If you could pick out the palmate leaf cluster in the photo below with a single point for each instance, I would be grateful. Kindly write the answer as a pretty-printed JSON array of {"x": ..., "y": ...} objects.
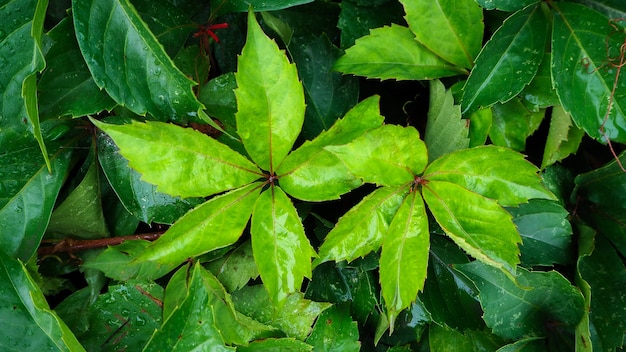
[{"x": 304, "y": 219}]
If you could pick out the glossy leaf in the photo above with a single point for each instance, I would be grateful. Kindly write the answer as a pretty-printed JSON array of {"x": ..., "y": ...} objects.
[
  {"x": 546, "y": 232},
  {"x": 281, "y": 250},
  {"x": 185, "y": 162},
  {"x": 443, "y": 338},
  {"x": 29, "y": 323},
  {"x": 389, "y": 155},
  {"x": 313, "y": 173},
  {"x": 235, "y": 269},
  {"x": 515, "y": 310},
  {"x": 404, "y": 257},
  {"x": 513, "y": 123},
  {"x": 223, "y": 7},
  {"x": 215, "y": 224},
  {"x": 451, "y": 29},
  {"x": 28, "y": 192},
  {"x": 601, "y": 185},
  {"x": 335, "y": 331},
  {"x": 127, "y": 60},
  {"x": 270, "y": 99},
  {"x": 564, "y": 138},
  {"x": 274, "y": 344},
  {"x": 476, "y": 170},
  {"x": 356, "y": 18},
  {"x": 528, "y": 344},
  {"x": 477, "y": 224},
  {"x": 611, "y": 8},
  {"x": 393, "y": 52},
  {"x": 540, "y": 92},
  {"x": 505, "y": 5},
  {"x": 445, "y": 130},
  {"x": 362, "y": 229},
  {"x": 480, "y": 124},
  {"x": 583, "y": 79},
  {"x": 168, "y": 23},
  {"x": 508, "y": 61}
]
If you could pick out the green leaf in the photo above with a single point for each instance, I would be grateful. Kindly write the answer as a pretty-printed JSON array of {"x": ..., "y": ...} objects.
[
  {"x": 124, "y": 317},
  {"x": 526, "y": 344},
  {"x": 66, "y": 86},
  {"x": 127, "y": 60},
  {"x": 361, "y": 230},
  {"x": 611, "y": 222},
  {"x": 477, "y": 224},
  {"x": 564, "y": 137},
  {"x": 546, "y": 232},
  {"x": 583, "y": 79},
  {"x": 611, "y": 8},
  {"x": 480, "y": 124},
  {"x": 227, "y": 6},
  {"x": 358, "y": 17},
  {"x": 29, "y": 323},
  {"x": 452, "y": 30},
  {"x": 270, "y": 99},
  {"x": 443, "y": 338},
  {"x": 494, "y": 172},
  {"x": 28, "y": 193},
  {"x": 295, "y": 318},
  {"x": 314, "y": 174},
  {"x": 215, "y": 224},
  {"x": 390, "y": 155},
  {"x": 335, "y": 331},
  {"x": 602, "y": 186},
  {"x": 183, "y": 162},
  {"x": 540, "y": 93},
  {"x": 235, "y": 269},
  {"x": 168, "y": 23},
  {"x": 273, "y": 344},
  {"x": 281, "y": 249},
  {"x": 523, "y": 309},
  {"x": 404, "y": 257},
  {"x": 505, "y": 5},
  {"x": 393, "y": 52},
  {"x": 513, "y": 123},
  {"x": 445, "y": 130},
  {"x": 508, "y": 61}
]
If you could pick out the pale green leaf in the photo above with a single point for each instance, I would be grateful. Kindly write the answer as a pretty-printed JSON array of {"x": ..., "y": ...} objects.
[
  {"x": 215, "y": 224},
  {"x": 477, "y": 224},
  {"x": 564, "y": 137},
  {"x": 180, "y": 161},
  {"x": 393, "y": 53},
  {"x": 281, "y": 249},
  {"x": 451, "y": 29},
  {"x": 314, "y": 174},
  {"x": 390, "y": 155},
  {"x": 361, "y": 230},
  {"x": 513, "y": 123},
  {"x": 404, "y": 257},
  {"x": 28, "y": 322},
  {"x": 270, "y": 99},
  {"x": 127, "y": 60},
  {"x": 494, "y": 172},
  {"x": 445, "y": 130}
]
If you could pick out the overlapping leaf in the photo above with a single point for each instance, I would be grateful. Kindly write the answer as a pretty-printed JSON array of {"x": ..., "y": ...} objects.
[
  {"x": 235, "y": 269},
  {"x": 600, "y": 186},
  {"x": 270, "y": 99},
  {"x": 508, "y": 62},
  {"x": 564, "y": 137},
  {"x": 226, "y": 6},
  {"x": 505, "y": 5},
  {"x": 513, "y": 123},
  {"x": 183, "y": 162},
  {"x": 451, "y": 29},
  {"x": 335, "y": 331}
]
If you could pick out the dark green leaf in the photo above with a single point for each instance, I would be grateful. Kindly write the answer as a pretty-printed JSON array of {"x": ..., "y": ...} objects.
[
  {"x": 540, "y": 92},
  {"x": 226, "y": 6},
  {"x": 393, "y": 52},
  {"x": 29, "y": 324},
  {"x": 515, "y": 310},
  {"x": 270, "y": 99},
  {"x": 443, "y": 338},
  {"x": 508, "y": 61},
  {"x": 168, "y": 24},
  {"x": 605, "y": 185},
  {"x": 513, "y": 123},
  {"x": 564, "y": 137},
  {"x": 452, "y": 30},
  {"x": 610, "y": 8},
  {"x": 358, "y": 17},
  {"x": 127, "y": 60},
  {"x": 584, "y": 80},
  {"x": 505, "y": 5},
  {"x": 215, "y": 224},
  {"x": 313, "y": 173},
  {"x": 361, "y": 230},
  {"x": 281, "y": 250},
  {"x": 335, "y": 331},
  {"x": 611, "y": 222},
  {"x": 183, "y": 162},
  {"x": 235, "y": 269},
  {"x": 527, "y": 344},
  {"x": 274, "y": 345}
]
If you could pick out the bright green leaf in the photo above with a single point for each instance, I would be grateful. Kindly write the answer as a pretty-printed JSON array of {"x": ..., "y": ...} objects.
[
  {"x": 508, "y": 61},
  {"x": 516, "y": 310},
  {"x": 235, "y": 269},
  {"x": 513, "y": 123},
  {"x": 182, "y": 161},
  {"x": 404, "y": 256},
  {"x": 29, "y": 324},
  {"x": 127, "y": 60},
  {"x": 451, "y": 29},
  {"x": 564, "y": 137},
  {"x": 477, "y": 224},
  {"x": 361, "y": 230},
  {"x": 270, "y": 99},
  {"x": 276, "y": 344},
  {"x": 445, "y": 130},
  {"x": 583, "y": 79},
  {"x": 390, "y": 155},
  {"x": 393, "y": 52},
  {"x": 335, "y": 331},
  {"x": 313, "y": 173},
  {"x": 494, "y": 172},
  {"x": 215, "y": 224},
  {"x": 281, "y": 250},
  {"x": 480, "y": 124}
]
